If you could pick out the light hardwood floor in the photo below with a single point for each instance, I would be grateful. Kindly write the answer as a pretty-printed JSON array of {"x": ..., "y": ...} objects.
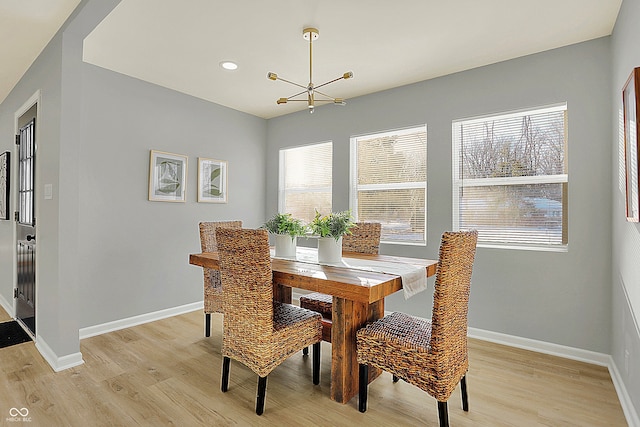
[{"x": 167, "y": 373}]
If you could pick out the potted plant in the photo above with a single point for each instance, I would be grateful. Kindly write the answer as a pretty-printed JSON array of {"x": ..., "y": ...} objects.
[
  {"x": 330, "y": 229},
  {"x": 285, "y": 228}
]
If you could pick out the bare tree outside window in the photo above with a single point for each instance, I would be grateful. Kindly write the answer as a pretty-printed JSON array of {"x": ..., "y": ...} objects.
[{"x": 510, "y": 177}]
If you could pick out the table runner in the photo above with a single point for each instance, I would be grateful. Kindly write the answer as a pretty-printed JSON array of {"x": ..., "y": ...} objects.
[{"x": 414, "y": 279}]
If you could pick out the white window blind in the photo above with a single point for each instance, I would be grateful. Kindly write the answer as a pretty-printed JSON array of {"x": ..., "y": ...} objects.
[
  {"x": 510, "y": 178},
  {"x": 389, "y": 183},
  {"x": 305, "y": 180}
]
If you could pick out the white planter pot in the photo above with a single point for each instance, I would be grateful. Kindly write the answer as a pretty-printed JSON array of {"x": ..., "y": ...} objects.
[
  {"x": 285, "y": 246},
  {"x": 329, "y": 250}
]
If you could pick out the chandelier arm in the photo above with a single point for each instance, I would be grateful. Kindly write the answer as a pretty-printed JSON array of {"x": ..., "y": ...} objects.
[
  {"x": 330, "y": 81},
  {"x": 297, "y": 94},
  {"x": 324, "y": 94},
  {"x": 292, "y": 83}
]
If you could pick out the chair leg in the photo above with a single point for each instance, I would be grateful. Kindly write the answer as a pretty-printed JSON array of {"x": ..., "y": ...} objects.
[
  {"x": 363, "y": 384},
  {"x": 262, "y": 393},
  {"x": 465, "y": 398},
  {"x": 443, "y": 414},
  {"x": 225, "y": 374},
  {"x": 207, "y": 324},
  {"x": 305, "y": 351},
  {"x": 316, "y": 363}
]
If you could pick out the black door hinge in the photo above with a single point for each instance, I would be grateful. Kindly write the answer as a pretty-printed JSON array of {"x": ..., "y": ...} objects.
[
  {"x": 16, "y": 215},
  {"x": 15, "y": 292},
  {"x": 17, "y": 139}
]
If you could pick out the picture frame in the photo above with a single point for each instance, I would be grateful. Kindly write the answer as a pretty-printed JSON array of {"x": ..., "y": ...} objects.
[
  {"x": 631, "y": 107},
  {"x": 5, "y": 181},
  {"x": 212, "y": 180},
  {"x": 167, "y": 176}
]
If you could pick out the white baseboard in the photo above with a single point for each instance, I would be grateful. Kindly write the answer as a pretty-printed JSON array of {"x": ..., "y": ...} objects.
[
  {"x": 629, "y": 410},
  {"x": 57, "y": 363},
  {"x": 6, "y": 305},
  {"x": 587, "y": 356},
  {"x": 116, "y": 325}
]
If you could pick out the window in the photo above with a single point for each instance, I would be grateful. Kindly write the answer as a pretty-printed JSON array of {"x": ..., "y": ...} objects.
[
  {"x": 510, "y": 178},
  {"x": 305, "y": 180},
  {"x": 389, "y": 183}
]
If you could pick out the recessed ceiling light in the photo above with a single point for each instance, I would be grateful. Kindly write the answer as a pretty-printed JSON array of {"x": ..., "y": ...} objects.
[{"x": 229, "y": 65}]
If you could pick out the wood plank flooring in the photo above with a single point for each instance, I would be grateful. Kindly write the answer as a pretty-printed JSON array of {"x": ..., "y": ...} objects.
[{"x": 167, "y": 373}]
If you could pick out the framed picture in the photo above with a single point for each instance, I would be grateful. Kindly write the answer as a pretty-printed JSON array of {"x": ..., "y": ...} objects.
[
  {"x": 4, "y": 184},
  {"x": 212, "y": 180},
  {"x": 631, "y": 109},
  {"x": 167, "y": 177}
]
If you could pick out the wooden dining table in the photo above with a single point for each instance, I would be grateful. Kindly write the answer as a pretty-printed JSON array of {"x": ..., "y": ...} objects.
[{"x": 358, "y": 298}]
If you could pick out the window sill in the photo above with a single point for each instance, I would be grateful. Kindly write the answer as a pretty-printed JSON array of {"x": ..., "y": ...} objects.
[{"x": 563, "y": 248}]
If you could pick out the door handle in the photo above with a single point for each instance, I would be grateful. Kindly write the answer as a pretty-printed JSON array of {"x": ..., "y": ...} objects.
[{"x": 30, "y": 237}]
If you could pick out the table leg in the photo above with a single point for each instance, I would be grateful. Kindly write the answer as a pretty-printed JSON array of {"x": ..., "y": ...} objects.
[
  {"x": 348, "y": 317},
  {"x": 281, "y": 293}
]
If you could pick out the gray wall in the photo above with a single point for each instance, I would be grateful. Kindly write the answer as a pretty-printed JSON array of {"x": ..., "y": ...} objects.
[
  {"x": 137, "y": 250},
  {"x": 562, "y": 298},
  {"x": 626, "y": 235},
  {"x": 52, "y": 74},
  {"x": 105, "y": 252}
]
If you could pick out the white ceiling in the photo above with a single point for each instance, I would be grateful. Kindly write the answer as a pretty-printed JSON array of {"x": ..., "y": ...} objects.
[
  {"x": 179, "y": 44},
  {"x": 25, "y": 29}
]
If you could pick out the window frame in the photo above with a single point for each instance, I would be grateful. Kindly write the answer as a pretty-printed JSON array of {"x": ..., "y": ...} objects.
[
  {"x": 354, "y": 187},
  {"x": 459, "y": 183},
  {"x": 282, "y": 192}
]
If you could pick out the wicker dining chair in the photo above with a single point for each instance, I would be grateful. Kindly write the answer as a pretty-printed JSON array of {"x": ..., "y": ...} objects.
[
  {"x": 257, "y": 331},
  {"x": 212, "y": 286},
  {"x": 364, "y": 239},
  {"x": 430, "y": 354}
]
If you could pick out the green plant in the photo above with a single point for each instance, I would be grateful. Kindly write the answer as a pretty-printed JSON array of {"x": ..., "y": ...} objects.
[
  {"x": 333, "y": 225},
  {"x": 285, "y": 223}
]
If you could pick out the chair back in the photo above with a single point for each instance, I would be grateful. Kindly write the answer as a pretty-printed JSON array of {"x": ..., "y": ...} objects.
[
  {"x": 451, "y": 304},
  {"x": 212, "y": 286},
  {"x": 247, "y": 292},
  {"x": 208, "y": 233},
  {"x": 364, "y": 238}
]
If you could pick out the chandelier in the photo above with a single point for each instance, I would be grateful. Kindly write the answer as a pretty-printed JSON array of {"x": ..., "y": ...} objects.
[{"x": 311, "y": 91}]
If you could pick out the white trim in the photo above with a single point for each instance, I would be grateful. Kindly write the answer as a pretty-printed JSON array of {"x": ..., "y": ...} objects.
[
  {"x": 58, "y": 363},
  {"x": 625, "y": 400},
  {"x": 116, "y": 325},
  {"x": 513, "y": 113},
  {"x": 573, "y": 353},
  {"x": 513, "y": 180},
  {"x": 35, "y": 99},
  {"x": 393, "y": 186},
  {"x": 8, "y": 307},
  {"x": 408, "y": 130},
  {"x": 634, "y": 319},
  {"x": 512, "y": 246}
]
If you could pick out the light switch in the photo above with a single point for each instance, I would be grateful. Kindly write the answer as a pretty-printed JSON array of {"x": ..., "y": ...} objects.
[{"x": 48, "y": 191}]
